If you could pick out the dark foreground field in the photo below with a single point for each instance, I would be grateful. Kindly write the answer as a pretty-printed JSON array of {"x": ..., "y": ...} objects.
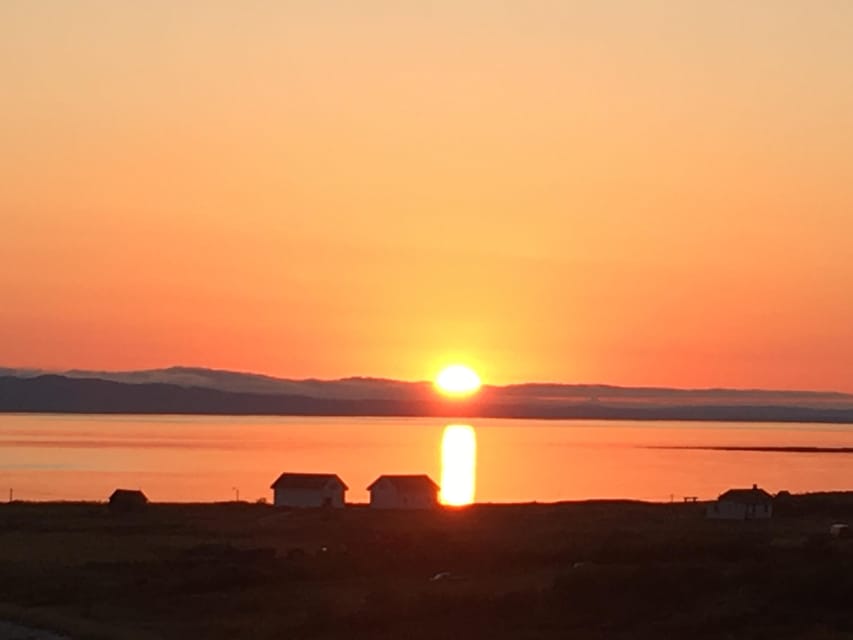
[{"x": 583, "y": 570}]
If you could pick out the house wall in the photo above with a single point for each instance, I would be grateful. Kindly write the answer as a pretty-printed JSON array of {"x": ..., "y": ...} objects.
[
  {"x": 728, "y": 510},
  {"x": 386, "y": 496},
  {"x": 127, "y": 504},
  {"x": 307, "y": 498}
]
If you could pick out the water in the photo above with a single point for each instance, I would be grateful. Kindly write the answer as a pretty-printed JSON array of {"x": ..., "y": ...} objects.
[{"x": 204, "y": 458}]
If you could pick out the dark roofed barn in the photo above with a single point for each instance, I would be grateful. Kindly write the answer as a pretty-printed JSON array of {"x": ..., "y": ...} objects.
[
  {"x": 742, "y": 504},
  {"x": 127, "y": 501},
  {"x": 309, "y": 490}
]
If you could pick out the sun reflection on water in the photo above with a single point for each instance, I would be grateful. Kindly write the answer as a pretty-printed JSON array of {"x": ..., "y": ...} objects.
[{"x": 458, "y": 464}]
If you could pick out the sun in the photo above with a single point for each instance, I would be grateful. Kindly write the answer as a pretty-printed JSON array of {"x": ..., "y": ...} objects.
[{"x": 457, "y": 380}]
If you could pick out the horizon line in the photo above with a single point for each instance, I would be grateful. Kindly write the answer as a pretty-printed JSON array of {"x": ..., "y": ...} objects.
[{"x": 604, "y": 385}]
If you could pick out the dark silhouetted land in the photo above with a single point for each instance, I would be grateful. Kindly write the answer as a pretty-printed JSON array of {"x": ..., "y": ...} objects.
[
  {"x": 182, "y": 390},
  {"x": 580, "y": 570}
]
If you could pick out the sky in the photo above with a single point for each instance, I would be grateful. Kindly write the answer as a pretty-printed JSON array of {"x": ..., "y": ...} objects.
[{"x": 637, "y": 193}]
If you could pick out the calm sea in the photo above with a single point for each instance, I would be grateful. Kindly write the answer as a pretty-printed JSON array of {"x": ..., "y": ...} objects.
[{"x": 203, "y": 458}]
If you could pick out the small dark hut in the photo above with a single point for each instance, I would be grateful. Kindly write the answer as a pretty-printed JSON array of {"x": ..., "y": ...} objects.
[{"x": 128, "y": 501}]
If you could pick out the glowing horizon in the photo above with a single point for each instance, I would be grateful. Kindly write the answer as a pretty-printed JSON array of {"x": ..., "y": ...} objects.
[{"x": 637, "y": 194}]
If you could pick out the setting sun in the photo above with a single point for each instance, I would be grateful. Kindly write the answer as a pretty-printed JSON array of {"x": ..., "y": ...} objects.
[{"x": 457, "y": 380}]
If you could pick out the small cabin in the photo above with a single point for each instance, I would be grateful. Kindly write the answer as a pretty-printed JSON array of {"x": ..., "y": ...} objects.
[
  {"x": 742, "y": 504},
  {"x": 127, "y": 501},
  {"x": 309, "y": 490},
  {"x": 403, "y": 492}
]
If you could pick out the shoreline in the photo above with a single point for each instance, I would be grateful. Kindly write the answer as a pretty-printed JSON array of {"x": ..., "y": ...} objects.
[
  {"x": 663, "y": 415},
  {"x": 844, "y": 494},
  {"x": 61, "y": 394}
]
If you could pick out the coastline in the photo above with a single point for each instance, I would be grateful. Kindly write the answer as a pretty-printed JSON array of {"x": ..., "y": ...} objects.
[
  {"x": 733, "y": 414},
  {"x": 391, "y": 399}
]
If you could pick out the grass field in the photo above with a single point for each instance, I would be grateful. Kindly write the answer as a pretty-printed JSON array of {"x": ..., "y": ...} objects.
[{"x": 585, "y": 570}]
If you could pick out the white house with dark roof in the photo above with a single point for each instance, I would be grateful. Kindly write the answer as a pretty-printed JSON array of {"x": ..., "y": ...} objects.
[
  {"x": 306, "y": 490},
  {"x": 742, "y": 504},
  {"x": 403, "y": 492}
]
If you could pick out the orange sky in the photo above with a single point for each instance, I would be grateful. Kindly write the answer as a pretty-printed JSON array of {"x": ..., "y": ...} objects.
[{"x": 624, "y": 192}]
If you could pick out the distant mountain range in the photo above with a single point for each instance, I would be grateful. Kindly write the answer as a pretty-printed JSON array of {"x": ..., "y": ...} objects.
[{"x": 185, "y": 390}]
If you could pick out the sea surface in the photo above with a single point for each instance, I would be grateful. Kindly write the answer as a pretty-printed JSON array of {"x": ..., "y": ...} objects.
[{"x": 204, "y": 458}]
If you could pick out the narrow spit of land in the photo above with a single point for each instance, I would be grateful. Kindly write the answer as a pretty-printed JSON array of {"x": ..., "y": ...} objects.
[
  {"x": 759, "y": 449},
  {"x": 585, "y": 570}
]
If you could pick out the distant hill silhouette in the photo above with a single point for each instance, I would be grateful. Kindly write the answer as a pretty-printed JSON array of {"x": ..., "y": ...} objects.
[{"x": 183, "y": 390}]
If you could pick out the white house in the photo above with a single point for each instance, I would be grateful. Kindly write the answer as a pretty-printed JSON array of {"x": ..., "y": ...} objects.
[
  {"x": 403, "y": 492},
  {"x": 308, "y": 490},
  {"x": 742, "y": 504}
]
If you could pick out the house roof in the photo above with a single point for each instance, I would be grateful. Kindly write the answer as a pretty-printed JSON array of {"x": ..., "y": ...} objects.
[
  {"x": 306, "y": 481},
  {"x": 747, "y": 496},
  {"x": 420, "y": 482},
  {"x": 128, "y": 494}
]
